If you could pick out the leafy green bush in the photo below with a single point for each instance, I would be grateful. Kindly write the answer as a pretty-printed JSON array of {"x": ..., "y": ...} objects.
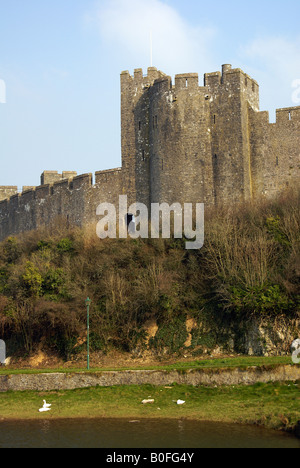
[
  {"x": 275, "y": 229},
  {"x": 12, "y": 250},
  {"x": 32, "y": 280},
  {"x": 171, "y": 336},
  {"x": 265, "y": 299},
  {"x": 54, "y": 284},
  {"x": 65, "y": 245},
  {"x": 249, "y": 266}
]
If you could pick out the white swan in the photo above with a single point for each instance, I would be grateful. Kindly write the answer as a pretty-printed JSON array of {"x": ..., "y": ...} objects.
[
  {"x": 42, "y": 410},
  {"x": 180, "y": 402},
  {"x": 46, "y": 407}
]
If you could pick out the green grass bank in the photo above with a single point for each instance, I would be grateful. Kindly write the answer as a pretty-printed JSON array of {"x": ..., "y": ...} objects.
[
  {"x": 272, "y": 405},
  {"x": 241, "y": 362}
]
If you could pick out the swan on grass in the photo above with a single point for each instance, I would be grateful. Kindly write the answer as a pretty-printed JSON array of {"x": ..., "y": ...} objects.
[
  {"x": 46, "y": 407},
  {"x": 42, "y": 410}
]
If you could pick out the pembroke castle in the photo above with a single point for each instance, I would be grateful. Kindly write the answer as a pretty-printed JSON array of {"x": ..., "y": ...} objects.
[{"x": 181, "y": 142}]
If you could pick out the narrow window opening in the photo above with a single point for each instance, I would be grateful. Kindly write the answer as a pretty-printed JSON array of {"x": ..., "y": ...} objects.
[
  {"x": 129, "y": 218},
  {"x": 214, "y": 119},
  {"x": 186, "y": 83},
  {"x": 290, "y": 115},
  {"x": 130, "y": 223},
  {"x": 143, "y": 155}
]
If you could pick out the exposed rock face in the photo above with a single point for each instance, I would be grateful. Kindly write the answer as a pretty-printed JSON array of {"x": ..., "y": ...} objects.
[
  {"x": 255, "y": 337},
  {"x": 263, "y": 338}
]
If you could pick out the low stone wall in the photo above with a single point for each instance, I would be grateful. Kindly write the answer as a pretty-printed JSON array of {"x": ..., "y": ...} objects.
[{"x": 67, "y": 381}]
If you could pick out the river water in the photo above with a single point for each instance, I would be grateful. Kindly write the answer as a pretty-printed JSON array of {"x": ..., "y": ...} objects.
[{"x": 115, "y": 433}]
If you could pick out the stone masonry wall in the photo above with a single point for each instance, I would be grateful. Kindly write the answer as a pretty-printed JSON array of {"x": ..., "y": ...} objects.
[
  {"x": 7, "y": 192},
  {"x": 207, "y": 377},
  {"x": 275, "y": 150},
  {"x": 181, "y": 143}
]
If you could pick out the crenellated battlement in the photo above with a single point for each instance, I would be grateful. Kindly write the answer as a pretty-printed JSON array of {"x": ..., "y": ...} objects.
[
  {"x": 65, "y": 197},
  {"x": 234, "y": 77},
  {"x": 139, "y": 78},
  {"x": 154, "y": 77},
  {"x": 7, "y": 192},
  {"x": 50, "y": 177},
  {"x": 227, "y": 82},
  {"x": 188, "y": 81},
  {"x": 284, "y": 116},
  {"x": 288, "y": 114},
  {"x": 48, "y": 189},
  {"x": 181, "y": 142}
]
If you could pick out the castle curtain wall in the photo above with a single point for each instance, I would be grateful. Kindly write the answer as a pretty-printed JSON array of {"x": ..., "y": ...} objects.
[{"x": 181, "y": 142}]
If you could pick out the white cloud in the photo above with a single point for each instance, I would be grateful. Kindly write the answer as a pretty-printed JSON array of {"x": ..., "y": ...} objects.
[
  {"x": 275, "y": 62},
  {"x": 181, "y": 46},
  {"x": 178, "y": 46}
]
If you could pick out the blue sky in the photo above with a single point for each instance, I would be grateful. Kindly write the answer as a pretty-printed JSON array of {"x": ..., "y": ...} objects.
[{"x": 61, "y": 60}]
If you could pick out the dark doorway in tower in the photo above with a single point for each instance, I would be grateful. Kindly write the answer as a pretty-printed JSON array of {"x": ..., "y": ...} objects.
[{"x": 130, "y": 223}]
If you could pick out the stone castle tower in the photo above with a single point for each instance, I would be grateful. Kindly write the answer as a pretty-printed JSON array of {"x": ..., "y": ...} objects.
[
  {"x": 181, "y": 143},
  {"x": 191, "y": 143}
]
